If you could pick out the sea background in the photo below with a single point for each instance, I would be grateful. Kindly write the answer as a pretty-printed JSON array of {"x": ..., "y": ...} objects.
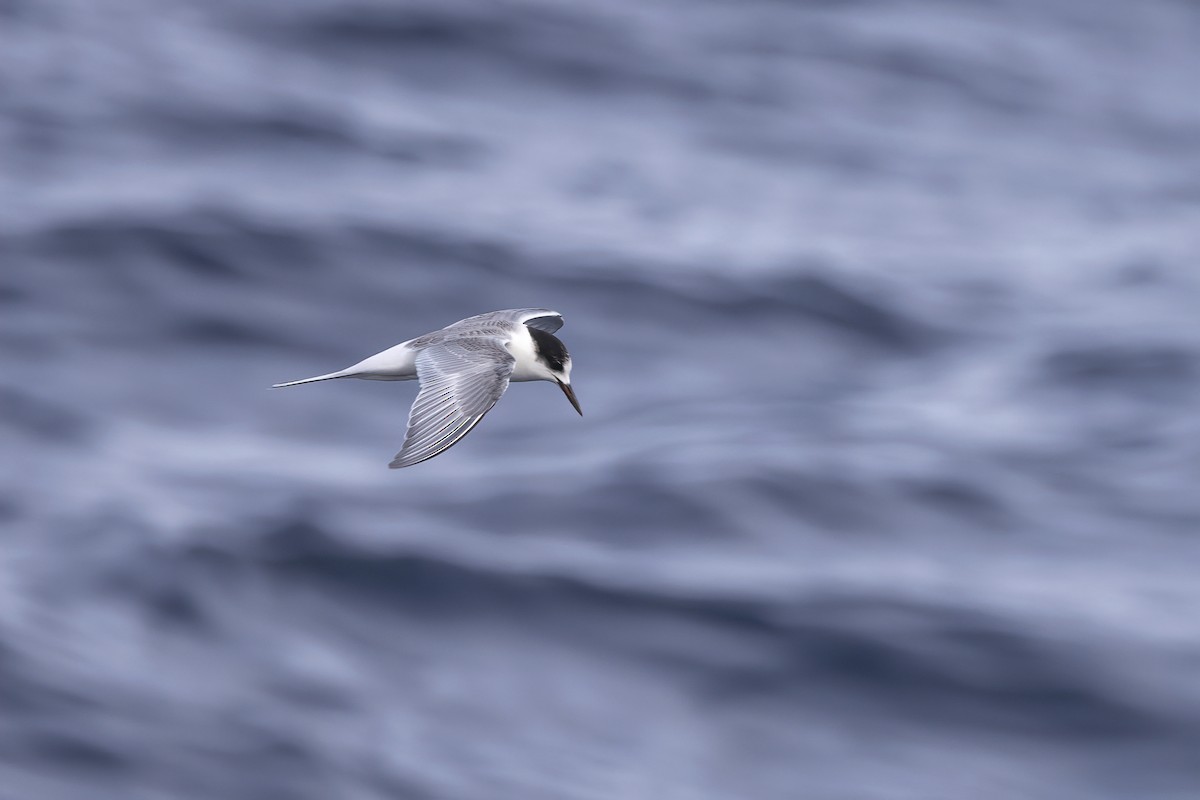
[{"x": 885, "y": 319}]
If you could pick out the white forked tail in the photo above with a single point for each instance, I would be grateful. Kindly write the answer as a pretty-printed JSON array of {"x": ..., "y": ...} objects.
[
  {"x": 394, "y": 364},
  {"x": 339, "y": 374}
]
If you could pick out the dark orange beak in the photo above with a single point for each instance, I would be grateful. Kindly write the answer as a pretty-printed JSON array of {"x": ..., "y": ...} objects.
[{"x": 570, "y": 393}]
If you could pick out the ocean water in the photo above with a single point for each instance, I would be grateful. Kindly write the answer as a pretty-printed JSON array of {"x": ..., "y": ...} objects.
[{"x": 885, "y": 319}]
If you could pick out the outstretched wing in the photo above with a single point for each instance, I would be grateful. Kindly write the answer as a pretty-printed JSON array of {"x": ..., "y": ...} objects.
[
  {"x": 461, "y": 379},
  {"x": 541, "y": 318},
  {"x": 498, "y": 323}
]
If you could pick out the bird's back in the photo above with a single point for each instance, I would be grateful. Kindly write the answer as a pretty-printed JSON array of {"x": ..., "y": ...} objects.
[{"x": 500, "y": 325}]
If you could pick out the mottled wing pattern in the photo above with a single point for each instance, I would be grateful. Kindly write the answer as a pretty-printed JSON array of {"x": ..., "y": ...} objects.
[{"x": 461, "y": 377}]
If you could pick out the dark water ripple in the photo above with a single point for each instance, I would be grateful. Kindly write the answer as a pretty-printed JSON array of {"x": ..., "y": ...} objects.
[{"x": 884, "y": 322}]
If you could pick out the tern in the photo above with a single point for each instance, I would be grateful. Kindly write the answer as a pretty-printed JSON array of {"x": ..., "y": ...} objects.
[{"x": 463, "y": 369}]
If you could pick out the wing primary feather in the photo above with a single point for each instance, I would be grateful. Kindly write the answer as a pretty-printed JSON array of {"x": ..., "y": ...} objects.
[
  {"x": 461, "y": 379},
  {"x": 543, "y": 320}
]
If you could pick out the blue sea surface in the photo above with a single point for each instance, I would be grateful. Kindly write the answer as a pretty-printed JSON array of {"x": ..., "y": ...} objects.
[{"x": 885, "y": 319}]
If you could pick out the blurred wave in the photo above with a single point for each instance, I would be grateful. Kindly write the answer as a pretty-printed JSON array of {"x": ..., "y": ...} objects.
[{"x": 884, "y": 326}]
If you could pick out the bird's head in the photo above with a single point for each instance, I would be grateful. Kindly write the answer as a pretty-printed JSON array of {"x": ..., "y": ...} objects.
[{"x": 555, "y": 361}]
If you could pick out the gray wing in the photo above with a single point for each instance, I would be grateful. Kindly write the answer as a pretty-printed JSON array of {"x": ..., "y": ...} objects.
[
  {"x": 541, "y": 318},
  {"x": 493, "y": 325},
  {"x": 461, "y": 379},
  {"x": 499, "y": 322}
]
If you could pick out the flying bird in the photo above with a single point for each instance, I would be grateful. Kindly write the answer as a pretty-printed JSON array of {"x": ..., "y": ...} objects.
[{"x": 463, "y": 369}]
